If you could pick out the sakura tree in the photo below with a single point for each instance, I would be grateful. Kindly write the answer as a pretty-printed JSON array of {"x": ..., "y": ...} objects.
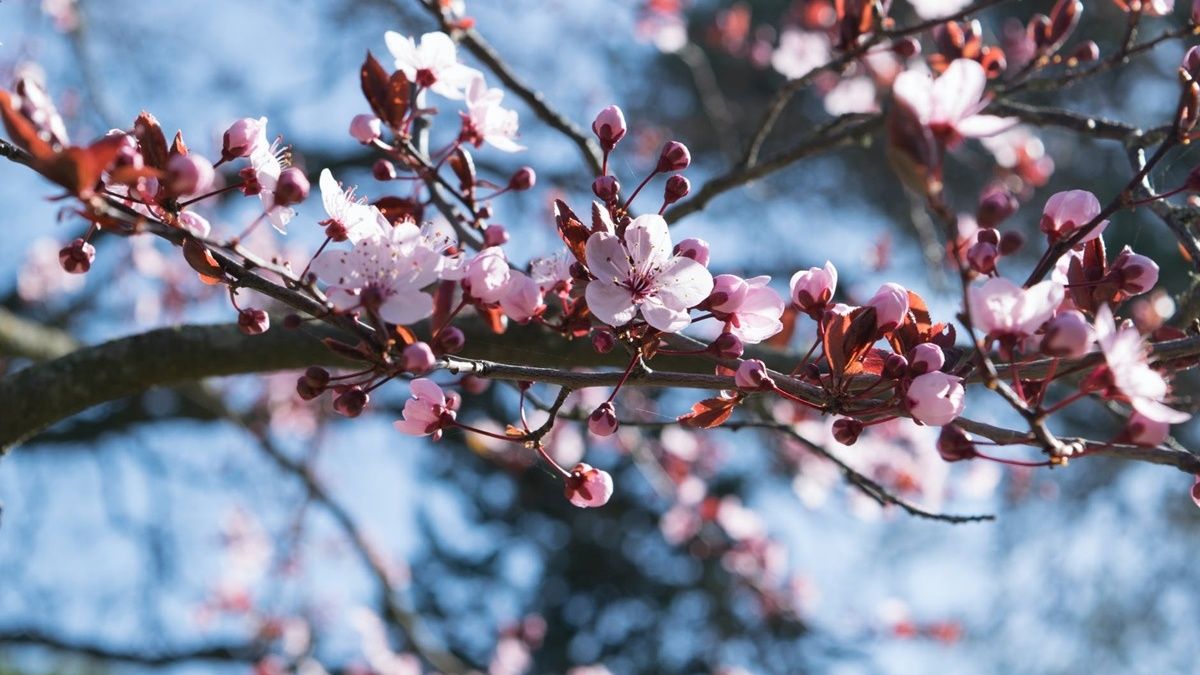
[{"x": 607, "y": 365}]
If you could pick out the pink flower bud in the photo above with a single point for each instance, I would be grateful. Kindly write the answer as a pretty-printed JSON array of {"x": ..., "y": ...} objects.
[
  {"x": 1011, "y": 242},
  {"x": 1068, "y": 211},
  {"x": 253, "y": 321},
  {"x": 674, "y": 157},
  {"x": 352, "y": 402},
  {"x": 523, "y": 179},
  {"x": 727, "y": 346},
  {"x": 1136, "y": 273},
  {"x": 696, "y": 249},
  {"x": 891, "y": 306},
  {"x": 245, "y": 137},
  {"x": 522, "y": 298},
  {"x": 728, "y": 294},
  {"x": 292, "y": 187},
  {"x": 451, "y": 340},
  {"x": 936, "y": 398},
  {"x": 894, "y": 366},
  {"x": 603, "y": 420},
  {"x": 812, "y": 289},
  {"x": 603, "y": 341},
  {"x": 495, "y": 235},
  {"x": 906, "y": 47},
  {"x": 606, "y": 188},
  {"x": 77, "y": 257},
  {"x": 926, "y": 358},
  {"x": 383, "y": 170},
  {"x": 1144, "y": 431},
  {"x": 677, "y": 188},
  {"x": 588, "y": 487},
  {"x": 996, "y": 204},
  {"x": 366, "y": 129},
  {"x": 846, "y": 430},
  {"x": 1196, "y": 20},
  {"x": 1068, "y": 335},
  {"x": 609, "y": 127},
  {"x": 752, "y": 375},
  {"x": 195, "y": 224},
  {"x": 982, "y": 257},
  {"x": 418, "y": 358},
  {"x": 189, "y": 174},
  {"x": 954, "y": 444}
]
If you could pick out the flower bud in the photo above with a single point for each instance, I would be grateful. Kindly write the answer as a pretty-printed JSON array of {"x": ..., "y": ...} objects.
[
  {"x": 603, "y": 341},
  {"x": 495, "y": 235},
  {"x": 588, "y": 487},
  {"x": 1067, "y": 335},
  {"x": 418, "y": 358},
  {"x": 891, "y": 306},
  {"x": 77, "y": 257},
  {"x": 244, "y": 137},
  {"x": 752, "y": 375},
  {"x": 609, "y": 127},
  {"x": 894, "y": 366},
  {"x": 1144, "y": 431},
  {"x": 305, "y": 390},
  {"x": 451, "y": 340},
  {"x": 982, "y": 257},
  {"x": 383, "y": 170},
  {"x": 351, "y": 402},
  {"x": 996, "y": 204},
  {"x": 523, "y": 179},
  {"x": 253, "y": 321},
  {"x": 988, "y": 235},
  {"x": 954, "y": 444},
  {"x": 935, "y": 398},
  {"x": 1086, "y": 52},
  {"x": 292, "y": 187},
  {"x": 727, "y": 346},
  {"x": 1195, "y": 18},
  {"x": 812, "y": 289},
  {"x": 674, "y": 157},
  {"x": 366, "y": 129},
  {"x": 926, "y": 358},
  {"x": 603, "y": 420},
  {"x": 1135, "y": 273},
  {"x": 906, "y": 47},
  {"x": 846, "y": 430},
  {"x": 1011, "y": 242},
  {"x": 696, "y": 249},
  {"x": 677, "y": 188},
  {"x": 606, "y": 188},
  {"x": 189, "y": 174},
  {"x": 316, "y": 377},
  {"x": 1066, "y": 212}
]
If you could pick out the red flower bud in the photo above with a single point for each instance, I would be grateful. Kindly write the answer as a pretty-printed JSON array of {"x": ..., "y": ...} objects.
[
  {"x": 451, "y": 340},
  {"x": 677, "y": 188},
  {"x": 995, "y": 205},
  {"x": 674, "y": 157},
  {"x": 1011, "y": 242},
  {"x": 727, "y": 346},
  {"x": 352, "y": 402},
  {"x": 77, "y": 257},
  {"x": 982, "y": 257},
  {"x": 603, "y": 341},
  {"x": 253, "y": 321},
  {"x": 846, "y": 430},
  {"x": 906, "y": 48},
  {"x": 523, "y": 179},
  {"x": 954, "y": 444},
  {"x": 606, "y": 188},
  {"x": 383, "y": 170},
  {"x": 603, "y": 420},
  {"x": 189, "y": 174}
]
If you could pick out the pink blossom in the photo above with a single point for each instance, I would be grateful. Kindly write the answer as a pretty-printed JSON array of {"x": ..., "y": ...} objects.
[
  {"x": 189, "y": 174},
  {"x": 267, "y": 168},
  {"x": 749, "y": 307},
  {"x": 522, "y": 299},
  {"x": 609, "y": 127},
  {"x": 1001, "y": 308},
  {"x": 799, "y": 53},
  {"x": 603, "y": 420},
  {"x": 384, "y": 274},
  {"x": 752, "y": 375},
  {"x": 812, "y": 289},
  {"x": 427, "y": 412},
  {"x": 949, "y": 106},
  {"x": 366, "y": 128},
  {"x": 588, "y": 487},
  {"x": 349, "y": 218},
  {"x": 936, "y": 398},
  {"x": 1130, "y": 372},
  {"x": 433, "y": 64},
  {"x": 1136, "y": 273},
  {"x": 1068, "y": 335},
  {"x": 641, "y": 274},
  {"x": 418, "y": 358},
  {"x": 486, "y": 276},
  {"x": 195, "y": 224},
  {"x": 552, "y": 273},
  {"x": 1145, "y": 431},
  {"x": 934, "y": 9},
  {"x": 696, "y": 249},
  {"x": 1068, "y": 211},
  {"x": 891, "y": 306},
  {"x": 926, "y": 358},
  {"x": 487, "y": 121},
  {"x": 245, "y": 138}
]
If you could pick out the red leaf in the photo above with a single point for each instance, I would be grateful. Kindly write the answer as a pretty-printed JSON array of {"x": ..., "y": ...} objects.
[
  {"x": 78, "y": 169},
  {"x": 151, "y": 140},
  {"x": 202, "y": 260},
  {"x": 463, "y": 166},
  {"x": 387, "y": 95},
  {"x": 847, "y": 339},
  {"x": 709, "y": 413},
  {"x": 494, "y": 318},
  {"x": 22, "y": 131},
  {"x": 178, "y": 147},
  {"x": 397, "y": 209},
  {"x": 572, "y": 230}
]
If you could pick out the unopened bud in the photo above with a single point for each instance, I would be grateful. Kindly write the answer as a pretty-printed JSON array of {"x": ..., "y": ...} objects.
[
  {"x": 727, "y": 346},
  {"x": 603, "y": 420},
  {"x": 894, "y": 366},
  {"x": 925, "y": 358},
  {"x": 77, "y": 257},
  {"x": 603, "y": 341},
  {"x": 982, "y": 257},
  {"x": 292, "y": 187},
  {"x": 418, "y": 358},
  {"x": 752, "y": 375},
  {"x": 677, "y": 188},
  {"x": 451, "y": 340},
  {"x": 495, "y": 235},
  {"x": 253, "y": 321},
  {"x": 243, "y": 138},
  {"x": 366, "y": 129},
  {"x": 1086, "y": 52},
  {"x": 1011, "y": 242},
  {"x": 696, "y": 249},
  {"x": 609, "y": 127},
  {"x": 523, "y": 179},
  {"x": 606, "y": 188},
  {"x": 674, "y": 157},
  {"x": 954, "y": 444},
  {"x": 846, "y": 430},
  {"x": 383, "y": 170},
  {"x": 907, "y": 47},
  {"x": 189, "y": 174},
  {"x": 995, "y": 205},
  {"x": 351, "y": 402}
]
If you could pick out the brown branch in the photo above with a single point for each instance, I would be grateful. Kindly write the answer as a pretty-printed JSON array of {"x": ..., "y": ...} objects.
[{"x": 236, "y": 653}]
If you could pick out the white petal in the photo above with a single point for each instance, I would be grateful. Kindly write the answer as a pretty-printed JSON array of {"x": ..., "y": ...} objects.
[
  {"x": 611, "y": 303},
  {"x": 606, "y": 257},
  {"x": 406, "y": 307},
  {"x": 684, "y": 280},
  {"x": 664, "y": 317},
  {"x": 957, "y": 92},
  {"x": 980, "y": 126},
  {"x": 648, "y": 240}
]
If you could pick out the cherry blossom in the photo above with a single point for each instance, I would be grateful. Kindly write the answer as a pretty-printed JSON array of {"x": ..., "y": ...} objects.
[
  {"x": 1131, "y": 376},
  {"x": 1136, "y": 273},
  {"x": 933, "y": 9},
  {"x": 552, "y": 273},
  {"x": 427, "y": 411},
  {"x": 891, "y": 306},
  {"x": 1145, "y": 431},
  {"x": 487, "y": 121},
  {"x": 750, "y": 308},
  {"x": 433, "y": 63},
  {"x": 812, "y": 289},
  {"x": 349, "y": 219},
  {"x": 486, "y": 276},
  {"x": 1003, "y": 309},
  {"x": 588, "y": 487},
  {"x": 1068, "y": 335},
  {"x": 950, "y": 105},
  {"x": 245, "y": 138},
  {"x": 936, "y": 398},
  {"x": 799, "y": 53},
  {"x": 267, "y": 168},
  {"x": 522, "y": 298},
  {"x": 641, "y": 275},
  {"x": 383, "y": 274},
  {"x": 1068, "y": 211}
]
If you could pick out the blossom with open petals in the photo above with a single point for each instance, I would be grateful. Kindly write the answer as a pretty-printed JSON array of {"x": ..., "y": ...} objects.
[
  {"x": 1130, "y": 372},
  {"x": 1000, "y": 308},
  {"x": 487, "y": 121},
  {"x": 433, "y": 63},
  {"x": 1066, "y": 212},
  {"x": 427, "y": 412},
  {"x": 749, "y": 307},
  {"x": 349, "y": 218},
  {"x": 642, "y": 275},
  {"x": 950, "y": 105}
]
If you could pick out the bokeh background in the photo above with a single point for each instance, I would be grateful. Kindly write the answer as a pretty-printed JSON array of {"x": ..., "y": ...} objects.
[{"x": 157, "y": 526}]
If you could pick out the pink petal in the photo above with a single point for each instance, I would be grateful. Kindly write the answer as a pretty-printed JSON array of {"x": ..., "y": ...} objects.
[
  {"x": 606, "y": 257},
  {"x": 611, "y": 303}
]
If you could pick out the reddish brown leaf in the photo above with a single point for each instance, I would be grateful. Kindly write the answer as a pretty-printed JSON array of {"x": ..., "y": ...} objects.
[
  {"x": 493, "y": 317},
  {"x": 406, "y": 336},
  {"x": 387, "y": 95},
  {"x": 352, "y": 352},
  {"x": 22, "y": 131},
  {"x": 178, "y": 147},
  {"x": 572, "y": 230},
  {"x": 78, "y": 169},
  {"x": 463, "y": 166},
  {"x": 847, "y": 339},
  {"x": 202, "y": 260},
  {"x": 151, "y": 140},
  {"x": 709, "y": 413},
  {"x": 398, "y": 209}
]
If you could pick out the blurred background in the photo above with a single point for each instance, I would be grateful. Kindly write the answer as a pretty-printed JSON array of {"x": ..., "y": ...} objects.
[{"x": 230, "y": 527}]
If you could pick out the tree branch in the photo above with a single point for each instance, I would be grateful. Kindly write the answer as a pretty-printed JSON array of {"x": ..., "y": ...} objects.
[{"x": 245, "y": 653}]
